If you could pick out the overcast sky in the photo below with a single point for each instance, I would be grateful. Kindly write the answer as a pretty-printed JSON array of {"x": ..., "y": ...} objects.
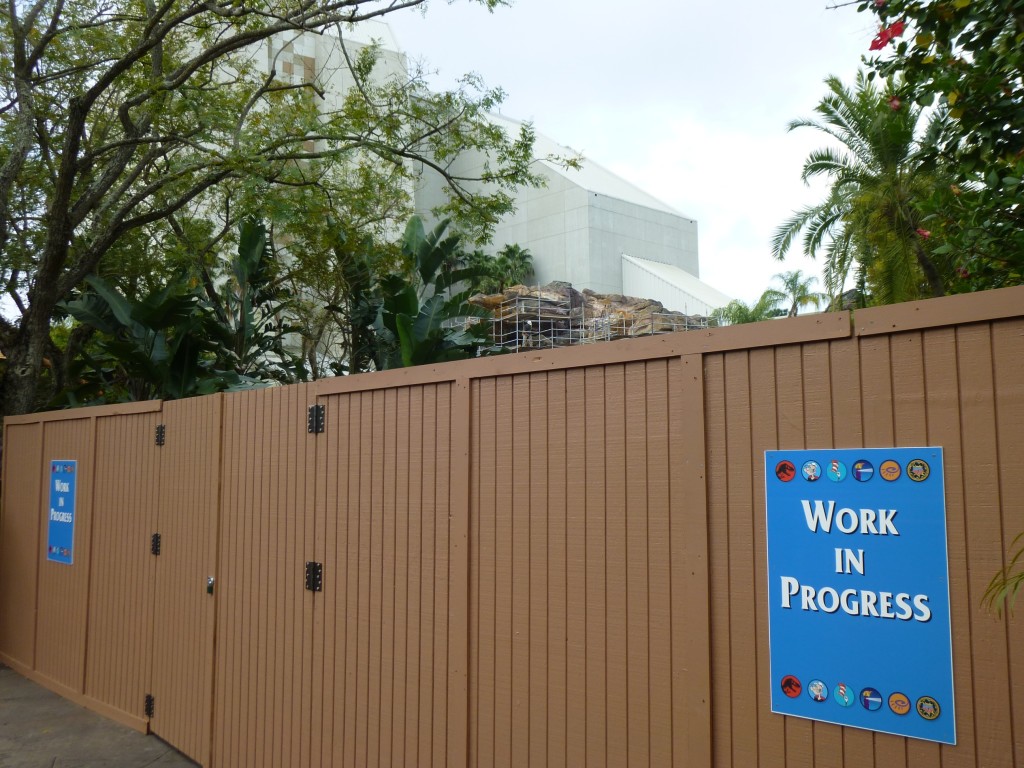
[{"x": 688, "y": 100}]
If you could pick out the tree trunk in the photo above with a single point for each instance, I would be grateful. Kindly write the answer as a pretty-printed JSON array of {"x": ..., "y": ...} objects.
[
  {"x": 930, "y": 272},
  {"x": 20, "y": 387}
]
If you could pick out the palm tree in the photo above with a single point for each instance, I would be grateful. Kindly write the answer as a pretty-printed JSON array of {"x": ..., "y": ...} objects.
[
  {"x": 513, "y": 266},
  {"x": 737, "y": 312},
  {"x": 797, "y": 291},
  {"x": 870, "y": 217}
]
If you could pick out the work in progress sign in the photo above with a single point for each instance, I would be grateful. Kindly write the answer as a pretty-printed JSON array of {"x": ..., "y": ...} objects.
[
  {"x": 60, "y": 539},
  {"x": 858, "y": 589}
]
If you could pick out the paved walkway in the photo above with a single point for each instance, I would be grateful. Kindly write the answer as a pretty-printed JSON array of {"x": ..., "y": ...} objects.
[{"x": 39, "y": 729}]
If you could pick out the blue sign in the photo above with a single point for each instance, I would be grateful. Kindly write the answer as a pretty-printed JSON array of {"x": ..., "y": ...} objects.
[
  {"x": 60, "y": 540},
  {"x": 858, "y": 589}
]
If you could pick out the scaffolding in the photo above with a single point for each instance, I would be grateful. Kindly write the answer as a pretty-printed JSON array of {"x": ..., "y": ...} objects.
[{"x": 536, "y": 322}]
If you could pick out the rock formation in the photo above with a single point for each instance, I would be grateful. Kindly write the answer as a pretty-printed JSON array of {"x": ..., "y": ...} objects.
[{"x": 557, "y": 314}]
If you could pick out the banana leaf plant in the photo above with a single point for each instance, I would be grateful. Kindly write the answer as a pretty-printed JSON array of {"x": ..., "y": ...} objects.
[
  {"x": 426, "y": 317},
  {"x": 251, "y": 307},
  {"x": 157, "y": 347}
]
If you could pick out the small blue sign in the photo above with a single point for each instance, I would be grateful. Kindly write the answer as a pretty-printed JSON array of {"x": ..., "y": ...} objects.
[
  {"x": 858, "y": 590},
  {"x": 60, "y": 540}
]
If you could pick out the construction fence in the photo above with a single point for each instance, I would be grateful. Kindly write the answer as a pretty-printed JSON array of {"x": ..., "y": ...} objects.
[{"x": 550, "y": 558}]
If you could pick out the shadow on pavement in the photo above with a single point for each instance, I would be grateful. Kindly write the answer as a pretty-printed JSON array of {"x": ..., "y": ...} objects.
[{"x": 39, "y": 729}]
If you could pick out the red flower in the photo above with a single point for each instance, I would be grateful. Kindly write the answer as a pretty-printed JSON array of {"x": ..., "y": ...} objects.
[
  {"x": 924, "y": 233},
  {"x": 887, "y": 35},
  {"x": 879, "y": 3},
  {"x": 894, "y": 102}
]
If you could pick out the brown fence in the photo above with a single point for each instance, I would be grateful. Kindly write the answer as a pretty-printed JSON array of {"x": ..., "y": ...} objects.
[{"x": 551, "y": 558}]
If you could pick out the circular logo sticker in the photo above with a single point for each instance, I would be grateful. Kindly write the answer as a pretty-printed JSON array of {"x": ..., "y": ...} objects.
[
  {"x": 811, "y": 470},
  {"x": 871, "y": 699},
  {"x": 899, "y": 703},
  {"x": 817, "y": 690},
  {"x": 843, "y": 695},
  {"x": 836, "y": 471},
  {"x": 791, "y": 686},
  {"x": 785, "y": 470},
  {"x": 918, "y": 470},
  {"x": 862, "y": 470},
  {"x": 890, "y": 470},
  {"x": 928, "y": 708}
]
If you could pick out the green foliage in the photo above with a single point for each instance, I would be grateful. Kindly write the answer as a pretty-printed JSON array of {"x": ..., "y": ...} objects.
[
  {"x": 967, "y": 56},
  {"x": 871, "y": 219},
  {"x": 422, "y": 319},
  {"x": 155, "y": 347},
  {"x": 252, "y": 310},
  {"x": 179, "y": 340},
  {"x": 512, "y": 265},
  {"x": 737, "y": 312},
  {"x": 1002, "y": 590},
  {"x": 797, "y": 291},
  {"x": 133, "y": 134}
]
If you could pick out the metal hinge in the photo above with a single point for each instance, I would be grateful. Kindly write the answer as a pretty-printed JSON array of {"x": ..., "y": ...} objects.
[
  {"x": 161, "y": 433},
  {"x": 314, "y": 577},
  {"x": 150, "y": 701},
  {"x": 154, "y": 544},
  {"x": 315, "y": 419}
]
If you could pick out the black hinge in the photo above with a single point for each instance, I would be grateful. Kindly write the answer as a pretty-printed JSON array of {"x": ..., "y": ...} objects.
[
  {"x": 315, "y": 577},
  {"x": 150, "y": 701},
  {"x": 315, "y": 419},
  {"x": 154, "y": 544},
  {"x": 161, "y": 433}
]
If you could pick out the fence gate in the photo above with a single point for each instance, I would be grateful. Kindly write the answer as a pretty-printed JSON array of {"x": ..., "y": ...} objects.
[
  {"x": 184, "y": 538},
  {"x": 382, "y": 654}
]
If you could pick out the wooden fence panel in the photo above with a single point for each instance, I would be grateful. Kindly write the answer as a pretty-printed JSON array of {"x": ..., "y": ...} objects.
[
  {"x": 264, "y": 675},
  {"x": 183, "y": 635},
  {"x": 20, "y": 548},
  {"x": 120, "y": 634},
  {"x": 571, "y": 628},
  {"x": 550, "y": 559},
  {"x": 383, "y": 619},
  {"x": 63, "y": 596}
]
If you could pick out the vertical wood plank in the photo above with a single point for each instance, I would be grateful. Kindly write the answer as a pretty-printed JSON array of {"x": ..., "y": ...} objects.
[
  {"x": 985, "y": 545},
  {"x": 503, "y": 575},
  {"x": 789, "y": 384},
  {"x": 611, "y": 570},
  {"x": 689, "y": 502},
  {"x": 538, "y": 568},
  {"x": 742, "y": 627},
  {"x": 637, "y": 564},
  {"x": 659, "y": 670},
  {"x": 458, "y": 573},
  {"x": 520, "y": 570},
  {"x": 596, "y": 594},
  {"x": 717, "y": 487},
  {"x": 1008, "y": 346},
  {"x": 771, "y": 728},
  {"x": 557, "y": 439},
  {"x": 941, "y": 390},
  {"x": 485, "y": 556},
  {"x": 577, "y": 483},
  {"x": 20, "y": 550},
  {"x": 402, "y": 578}
]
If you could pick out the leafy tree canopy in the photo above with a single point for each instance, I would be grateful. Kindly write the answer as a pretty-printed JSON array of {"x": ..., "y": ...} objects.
[
  {"x": 967, "y": 57},
  {"x": 871, "y": 219},
  {"x": 134, "y": 133}
]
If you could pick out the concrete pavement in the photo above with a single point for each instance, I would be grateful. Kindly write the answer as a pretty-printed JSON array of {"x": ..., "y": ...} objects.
[{"x": 39, "y": 729}]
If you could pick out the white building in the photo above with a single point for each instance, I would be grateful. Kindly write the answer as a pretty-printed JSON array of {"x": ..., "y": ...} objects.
[{"x": 587, "y": 226}]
